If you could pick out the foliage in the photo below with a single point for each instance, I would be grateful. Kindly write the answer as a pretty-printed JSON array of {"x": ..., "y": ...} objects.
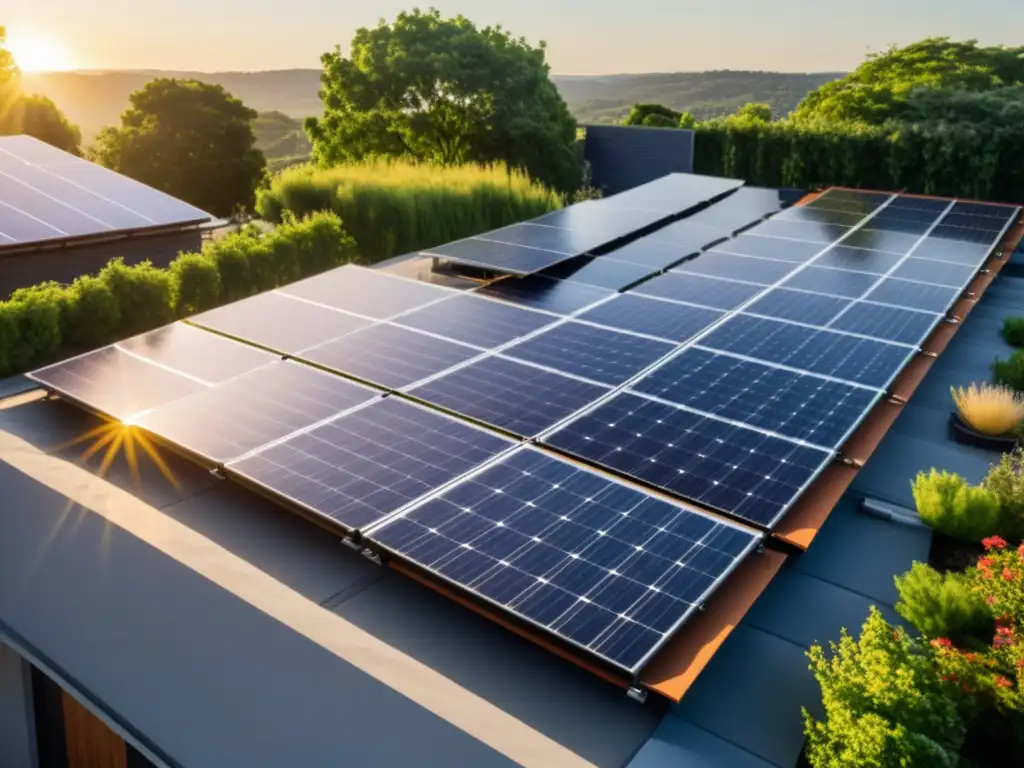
[
  {"x": 991, "y": 410},
  {"x": 653, "y": 116},
  {"x": 687, "y": 121},
  {"x": 32, "y": 114},
  {"x": 943, "y": 605},
  {"x": 758, "y": 113},
  {"x": 44, "y": 322},
  {"x": 1006, "y": 481},
  {"x": 949, "y": 504},
  {"x": 884, "y": 704},
  {"x": 189, "y": 139},
  {"x": 1010, "y": 372},
  {"x": 1013, "y": 328},
  {"x": 397, "y": 207},
  {"x": 445, "y": 91}
]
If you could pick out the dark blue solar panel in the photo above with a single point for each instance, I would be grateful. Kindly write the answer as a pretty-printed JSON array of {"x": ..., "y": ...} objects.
[
  {"x": 925, "y": 204},
  {"x": 509, "y": 395},
  {"x": 604, "y": 272},
  {"x": 795, "y": 251},
  {"x": 371, "y": 462},
  {"x": 953, "y": 251},
  {"x": 472, "y": 320},
  {"x": 225, "y": 422},
  {"x": 697, "y": 289},
  {"x": 503, "y": 257},
  {"x": 880, "y": 240},
  {"x": 744, "y": 206},
  {"x": 939, "y": 272},
  {"x": 562, "y": 297},
  {"x": 862, "y": 361},
  {"x": 965, "y": 234},
  {"x": 390, "y": 356},
  {"x": 798, "y": 306},
  {"x": 689, "y": 236},
  {"x": 572, "y": 242},
  {"x": 733, "y": 469},
  {"x": 809, "y": 214},
  {"x": 992, "y": 224},
  {"x": 834, "y": 281},
  {"x": 605, "y": 566},
  {"x": 857, "y": 259},
  {"x": 903, "y": 293},
  {"x": 1002, "y": 212},
  {"x": 664, "y": 319},
  {"x": 651, "y": 253},
  {"x": 748, "y": 269},
  {"x": 813, "y": 232},
  {"x": 882, "y": 322},
  {"x": 853, "y": 195},
  {"x": 797, "y": 405},
  {"x": 605, "y": 356},
  {"x": 367, "y": 292},
  {"x": 890, "y": 221}
]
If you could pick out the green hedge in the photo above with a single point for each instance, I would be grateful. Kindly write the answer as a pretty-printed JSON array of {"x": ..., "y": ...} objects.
[
  {"x": 392, "y": 208},
  {"x": 973, "y": 161},
  {"x": 49, "y": 321}
]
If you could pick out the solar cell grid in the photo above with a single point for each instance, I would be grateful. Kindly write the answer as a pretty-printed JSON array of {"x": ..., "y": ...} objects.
[
  {"x": 473, "y": 320},
  {"x": 858, "y": 207},
  {"x": 923, "y": 296},
  {"x": 952, "y": 251},
  {"x": 798, "y": 306},
  {"x": 741, "y": 208},
  {"x": 370, "y": 462},
  {"x": 836, "y": 282},
  {"x": 904, "y": 326},
  {"x": 367, "y": 292},
  {"x": 648, "y": 252},
  {"x": 731, "y": 266},
  {"x": 562, "y": 297},
  {"x": 196, "y": 353},
  {"x": 604, "y": 566},
  {"x": 63, "y": 220},
  {"x": 696, "y": 289},
  {"x": 503, "y": 257},
  {"x": 911, "y": 203},
  {"x": 748, "y": 244},
  {"x": 568, "y": 241},
  {"x": 665, "y": 320},
  {"x": 602, "y": 272},
  {"x": 688, "y": 236},
  {"x": 811, "y": 215},
  {"x": 804, "y": 230},
  {"x": 964, "y": 234},
  {"x": 993, "y": 224},
  {"x": 857, "y": 259},
  {"x": 880, "y": 240},
  {"x": 931, "y": 271},
  {"x": 1003, "y": 212}
]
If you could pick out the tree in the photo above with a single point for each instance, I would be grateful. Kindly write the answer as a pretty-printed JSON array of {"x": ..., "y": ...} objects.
[
  {"x": 653, "y": 115},
  {"x": 442, "y": 90},
  {"x": 189, "y": 139},
  {"x": 761, "y": 113}
]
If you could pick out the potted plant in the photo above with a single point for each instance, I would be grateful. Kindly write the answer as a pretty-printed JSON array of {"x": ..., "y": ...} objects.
[{"x": 987, "y": 416}]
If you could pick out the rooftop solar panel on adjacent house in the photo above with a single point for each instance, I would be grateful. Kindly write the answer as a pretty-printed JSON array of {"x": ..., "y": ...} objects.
[
  {"x": 369, "y": 462},
  {"x": 663, "y": 319},
  {"x": 610, "y": 569},
  {"x": 28, "y": 150},
  {"x": 602, "y": 272},
  {"x": 367, "y": 292},
  {"x": 480, "y": 322},
  {"x": 563, "y": 297}
]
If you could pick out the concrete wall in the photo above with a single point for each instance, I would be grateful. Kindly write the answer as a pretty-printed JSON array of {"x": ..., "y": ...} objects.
[
  {"x": 17, "y": 719},
  {"x": 20, "y": 270}
]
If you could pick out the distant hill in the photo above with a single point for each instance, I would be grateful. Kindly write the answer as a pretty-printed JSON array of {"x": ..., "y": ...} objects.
[{"x": 93, "y": 99}]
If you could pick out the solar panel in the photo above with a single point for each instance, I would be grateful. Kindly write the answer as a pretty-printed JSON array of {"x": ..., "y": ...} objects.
[
  {"x": 812, "y": 215},
  {"x": 651, "y": 253},
  {"x": 832, "y": 281},
  {"x": 696, "y": 289},
  {"x": 904, "y": 293},
  {"x": 747, "y": 244},
  {"x": 814, "y": 232},
  {"x": 938, "y": 272},
  {"x": 477, "y": 321},
  {"x": 280, "y": 322},
  {"x": 503, "y": 257},
  {"x": 798, "y": 306},
  {"x": 741, "y": 208},
  {"x": 959, "y": 220},
  {"x": 861, "y": 203},
  {"x": 745, "y": 268},
  {"x": 974, "y": 235},
  {"x": 612, "y": 221},
  {"x": 239, "y": 416},
  {"x": 903, "y": 203},
  {"x": 798, "y": 405},
  {"x": 674, "y": 193},
  {"x": 935, "y": 248},
  {"x": 904, "y": 326},
  {"x": 1004, "y": 213},
  {"x": 518, "y": 398},
  {"x": 901, "y": 220},
  {"x": 594, "y": 353},
  {"x": 367, "y": 292},
  {"x": 603, "y": 272},
  {"x": 857, "y": 259},
  {"x": 880, "y": 240},
  {"x": 653, "y": 317},
  {"x": 370, "y": 462},
  {"x": 28, "y": 150},
  {"x": 608, "y": 568},
  {"x": 861, "y": 361},
  {"x": 563, "y": 297},
  {"x": 736, "y": 470},
  {"x": 689, "y": 236},
  {"x": 573, "y": 242}
]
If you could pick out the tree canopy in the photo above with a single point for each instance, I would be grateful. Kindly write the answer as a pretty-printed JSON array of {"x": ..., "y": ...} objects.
[
  {"x": 189, "y": 139},
  {"x": 32, "y": 114},
  {"x": 445, "y": 91}
]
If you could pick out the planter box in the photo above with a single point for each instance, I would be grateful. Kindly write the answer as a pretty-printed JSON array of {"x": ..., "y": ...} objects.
[{"x": 961, "y": 432}]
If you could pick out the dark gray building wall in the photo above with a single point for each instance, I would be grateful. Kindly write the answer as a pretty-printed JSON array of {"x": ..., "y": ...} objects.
[
  {"x": 20, "y": 270},
  {"x": 625, "y": 156},
  {"x": 17, "y": 729}
]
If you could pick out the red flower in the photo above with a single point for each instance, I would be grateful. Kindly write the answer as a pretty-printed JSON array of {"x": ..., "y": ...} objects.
[
  {"x": 1002, "y": 682},
  {"x": 991, "y": 600},
  {"x": 1001, "y": 641},
  {"x": 1020, "y": 551},
  {"x": 1003, "y": 630},
  {"x": 984, "y": 562},
  {"x": 970, "y": 656},
  {"x": 994, "y": 542},
  {"x": 942, "y": 642},
  {"x": 1008, "y": 575},
  {"x": 967, "y": 688},
  {"x": 1020, "y": 663}
]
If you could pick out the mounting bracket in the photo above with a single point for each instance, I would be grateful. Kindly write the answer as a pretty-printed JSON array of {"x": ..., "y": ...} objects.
[{"x": 637, "y": 694}]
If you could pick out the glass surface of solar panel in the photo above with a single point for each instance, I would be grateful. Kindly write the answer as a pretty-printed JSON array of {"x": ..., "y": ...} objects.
[
  {"x": 279, "y": 322},
  {"x": 741, "y": 208},
  {"x": 598, "y": 354},
  {"x": 697, "y": 289},
  {"x": 370, "y": 462},
  {"x": 688, "y": 236},
  {"x": 573, "y": 242},
  {"x": 856, "y": 195},
  {"x": 602, "y": 217},
  {"x": 974, "y": 235},
  {"x": 18, "y": 227},
  {"x": 858, "y": 207},
  {"x": 992, "y": 224},
  {"x": 64, "y": 219},
  {"x": 196, "y": 353},
  {"x": 953, "y": 251},
  {"x": 816, "y": 232},
  {"x": 797, "y": 405},
  {"x": 884, "y": 322},
  {"x": 648, "y": 252},
  {"x": 857, "y": 259},
  {"x": 389, "y": 355},
  {"x": 675, "y": 192},
  {"x": 748, "y": 244},
  {"x": 731, "y": 266},
  {"x": 610, "y": 568},
  {"x": 518, "y": 398},
  {"x": 798, "y": 306},
  {"x": 810, "y": 215},
  {"x": 938, "y": 272},
  {"x": 33, "y": 151},
  {"x": 503, "y": 257},
  {"x": 736, "y": 470},
  {"x": 904, "y": 293},
  {"x": 115, "y": 383},
  {"x": 473, "y": 320},
  {"x": 880, "y": 240},
  {"x": 836, "y": 282},
  {"x": 926, "y": 204},
  {"x": 889, "y": 221},
  {"x": 1002, "y": 212},
  {"x": 861, "y": 361},
  {"x": 367, "y": 292},
  {"x": 563, "y": 297},
  {"x": 653, "y": 317},
  {"x": 227, "y": 421},
  {"x": 602, "y": 272}
]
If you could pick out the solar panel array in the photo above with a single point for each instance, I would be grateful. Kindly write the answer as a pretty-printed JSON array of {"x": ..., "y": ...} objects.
[
  {"x": 49, "y": 195},
  {"x": 468, "y": 432}
]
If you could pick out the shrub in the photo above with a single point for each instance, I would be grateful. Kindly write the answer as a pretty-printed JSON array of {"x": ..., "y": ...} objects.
[
  {"x": 36, "y": 314},
  {"x": 92, "y": 315},
  {"x": 1013, "y": 331},
  {"x": 949, "y": 504},
  {"x": 943, "y": 605},
  {"x": 884, "y": 704},
  {"x": 197, "y": 283},
  {"x": 231, "y": 256},
  {"x": 992, "y": 410},
  {"x": 144, "y": 293},
  {"x": 1010, "y": 372},
  {"x": 1006, "y": 481}
]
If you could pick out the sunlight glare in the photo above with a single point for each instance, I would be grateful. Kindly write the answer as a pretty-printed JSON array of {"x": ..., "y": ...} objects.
[{"x": 36, "y": 53}]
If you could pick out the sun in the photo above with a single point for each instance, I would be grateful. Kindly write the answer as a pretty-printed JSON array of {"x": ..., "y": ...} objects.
[{"x": 35, "y": 53}]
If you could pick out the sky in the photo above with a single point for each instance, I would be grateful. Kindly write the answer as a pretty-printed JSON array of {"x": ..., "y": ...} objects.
[{"x": 583, "y": 36}]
